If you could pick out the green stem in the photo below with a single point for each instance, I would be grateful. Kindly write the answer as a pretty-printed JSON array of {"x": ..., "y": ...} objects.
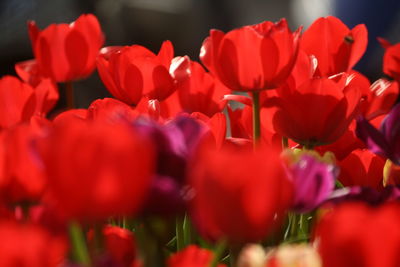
[
  {"x": 294, "y": 225},
  {"x": 256, "y": 118},
  {"x": 338, "y": 184},
  {"x": 187, "y": 231},
  {"x": 78, "y": 242},
  {"x": 219, "y": 250},
  {"x": 180, "y": 241},
  {"x": 69, "y": 95},
  {"x": 149, "y": 247}
]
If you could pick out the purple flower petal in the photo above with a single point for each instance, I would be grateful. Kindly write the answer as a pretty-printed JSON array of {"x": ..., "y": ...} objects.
[
  {"x": 372, "y": 137},
  {"x": 314, "y": 181}
]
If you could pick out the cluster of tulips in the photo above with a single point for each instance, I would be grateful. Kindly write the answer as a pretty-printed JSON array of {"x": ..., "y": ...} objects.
[{"x": 301, "y": 171}]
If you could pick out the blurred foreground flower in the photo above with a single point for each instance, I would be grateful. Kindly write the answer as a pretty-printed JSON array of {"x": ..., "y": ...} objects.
[
  {"x": 192, "y": 256},
  {"x": 111, "y": 164},
  {"x": 237, "y": 188},
  {"x": 28, "y": 245},
  {"x": 301, "y": 255},
  {"x": 354, "y": 234}
]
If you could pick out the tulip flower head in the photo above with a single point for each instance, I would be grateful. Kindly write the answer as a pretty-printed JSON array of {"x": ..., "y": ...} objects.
[
  {"x": 252, "y": 58},
  {"x": 67, "y": 52},
  {"x": 236, "y": 189}
]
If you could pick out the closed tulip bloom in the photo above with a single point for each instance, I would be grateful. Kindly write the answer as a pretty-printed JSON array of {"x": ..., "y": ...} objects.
[
  {"x": 119, "y": 247},
  {"x": 134, "y": 71},
  {"x": 252, "y": 58},
  {"x": 110, "y": 164},
  {"x": 240, "y": 195},
  {"x": 66, "y": 52},
  {"x": 354, "y": 234}
]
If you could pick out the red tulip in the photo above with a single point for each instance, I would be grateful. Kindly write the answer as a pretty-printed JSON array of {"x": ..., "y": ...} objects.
[
  {"x": 362, "y": 168},
  {"x": 192, "y": 256},
  {"x": 110, "y": 110},
  {"x": 345, "y": 144},
  {"x": 134, "y": 71},
  {"x": 20, "y": 101},
  {"x": 356, "y": 235},
  {"x": 318, "y": 111},
  {"x": 66, "y": 52},
  {"x": 242, "y": 125},
  {"x": 200, "y": 92},
  {"x": 29, "y": 245},
  {"x": 239, "y": 194},
  {"x": 21, "y": 173},
  {"x": 377, "y": 98},
  {"x": 252, "y": 58},
  {"x": 110, "y": 164},
  {"x": 391, "y": 60},
  {"x": 119, "y": 245},
  {"x": 216, "y": 124},
  {"x": 16, "y": 101},
  {"x": 336, "y": 47}
]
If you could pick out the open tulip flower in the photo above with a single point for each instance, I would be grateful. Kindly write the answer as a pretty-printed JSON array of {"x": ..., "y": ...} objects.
[
  {"x": 316, "y": 112},
  {"x": 335, "y": 46},
  {"x": 67, "y": 52}
]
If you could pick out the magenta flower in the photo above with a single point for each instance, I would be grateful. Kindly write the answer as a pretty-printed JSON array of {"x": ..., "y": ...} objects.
[{"x": 313, "y": 181}]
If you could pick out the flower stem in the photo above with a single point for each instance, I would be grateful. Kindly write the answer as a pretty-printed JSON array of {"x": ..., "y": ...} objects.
[
  {"x": 256, "y": 118},
  {"x": 219, "y": 250},
  {"x": 79, "y": 248},
  {"x": 180, "y": 240},
  {"x": 187, "y": 231},
  {"x": 69, "y": 95}
]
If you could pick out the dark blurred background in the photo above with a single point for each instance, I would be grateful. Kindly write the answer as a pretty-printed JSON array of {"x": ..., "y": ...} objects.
[{"x": 186, "y": 23}]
